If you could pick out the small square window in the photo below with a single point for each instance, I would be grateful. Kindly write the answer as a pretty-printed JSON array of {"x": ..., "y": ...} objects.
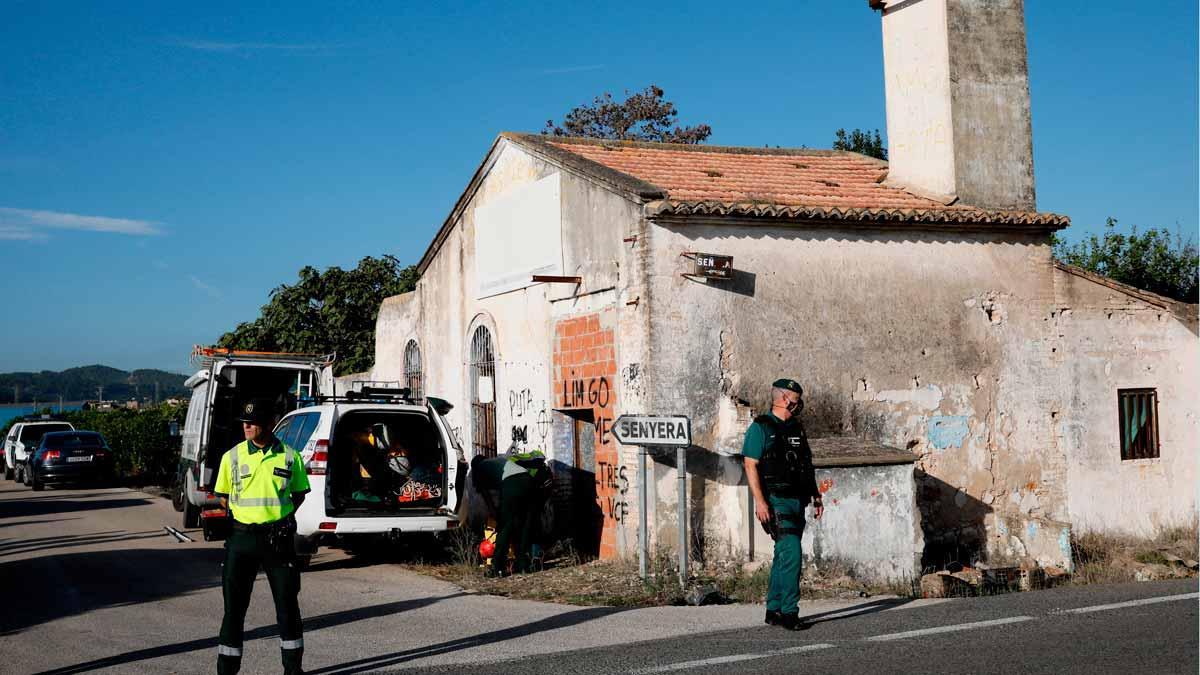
[{"x": 1137, "y": 410}]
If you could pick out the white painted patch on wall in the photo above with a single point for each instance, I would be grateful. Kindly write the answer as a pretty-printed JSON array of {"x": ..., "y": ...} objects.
[
  {"x": 518, "y": 234},
  {"x": 928, "y": 397}
]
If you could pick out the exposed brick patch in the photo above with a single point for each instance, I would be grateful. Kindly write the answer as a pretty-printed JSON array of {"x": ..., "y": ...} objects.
[{"x": 585, "y": 377}]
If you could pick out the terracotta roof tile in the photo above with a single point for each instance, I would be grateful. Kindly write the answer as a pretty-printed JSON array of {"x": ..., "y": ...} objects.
[{"x": 804, "y": 184}]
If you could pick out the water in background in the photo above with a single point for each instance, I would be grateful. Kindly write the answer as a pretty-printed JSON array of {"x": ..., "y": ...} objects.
[{"x": 7, "y": 412}]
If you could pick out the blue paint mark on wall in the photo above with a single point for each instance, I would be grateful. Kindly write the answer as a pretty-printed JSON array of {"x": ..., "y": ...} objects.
[
  {"x": 1031, "y": 531},
  {"x": 947, "y": 431}
]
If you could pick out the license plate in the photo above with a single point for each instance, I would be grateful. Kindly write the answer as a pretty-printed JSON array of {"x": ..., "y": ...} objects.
[{"x": 86, "y": 458}]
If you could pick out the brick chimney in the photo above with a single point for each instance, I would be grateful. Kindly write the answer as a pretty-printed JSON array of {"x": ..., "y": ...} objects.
[{"x": 957, "y": 84}]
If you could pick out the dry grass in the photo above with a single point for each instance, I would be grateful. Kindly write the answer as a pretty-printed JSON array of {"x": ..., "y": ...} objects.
[
  {"x": 1107, "y": 558},
  {"x": 615, "y": 583}
]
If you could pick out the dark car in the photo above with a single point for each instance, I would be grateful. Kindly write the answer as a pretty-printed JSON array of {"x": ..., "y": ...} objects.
[{"x": 70, "y": 457}]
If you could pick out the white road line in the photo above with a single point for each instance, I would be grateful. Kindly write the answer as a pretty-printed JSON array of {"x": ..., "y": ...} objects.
[
  {"x": 948, "y": 629},
  {"x": 1131, "y": 603},
  {"x": 734, "y": 658}
]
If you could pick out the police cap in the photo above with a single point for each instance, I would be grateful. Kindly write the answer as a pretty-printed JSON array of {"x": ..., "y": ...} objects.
[
  {"x": 260, "y": 411},
  {"x": 789, "y": 384}
]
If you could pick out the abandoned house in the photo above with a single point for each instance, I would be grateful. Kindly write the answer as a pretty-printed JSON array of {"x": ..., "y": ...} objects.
[{"x": 967, "y": 396}]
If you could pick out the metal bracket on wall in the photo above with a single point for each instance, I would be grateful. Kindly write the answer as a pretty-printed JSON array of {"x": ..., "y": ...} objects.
[
  {"x": 550, "y": 279},
  {"x": 630, "y": 239}
]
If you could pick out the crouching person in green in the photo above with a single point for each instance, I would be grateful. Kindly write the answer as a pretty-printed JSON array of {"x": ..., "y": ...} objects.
[
  {"x": 779, "y": 469},
  {"x": 262, "y": 482},
  {"x": 522, "y": 480}
]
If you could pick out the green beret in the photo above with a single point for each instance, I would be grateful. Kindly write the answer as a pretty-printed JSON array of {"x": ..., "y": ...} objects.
[{"x": 790, "y": 385}]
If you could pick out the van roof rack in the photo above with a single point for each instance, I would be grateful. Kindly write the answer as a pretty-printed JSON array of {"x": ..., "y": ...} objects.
[{"x": 203, "y": 357}]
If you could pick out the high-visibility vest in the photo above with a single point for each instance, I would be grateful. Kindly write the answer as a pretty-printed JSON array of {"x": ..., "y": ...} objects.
[{"x": 262, "y": 482}]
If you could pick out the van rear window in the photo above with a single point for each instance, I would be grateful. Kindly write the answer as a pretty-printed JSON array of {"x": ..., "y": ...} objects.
[{"x": 32, "y": 433}]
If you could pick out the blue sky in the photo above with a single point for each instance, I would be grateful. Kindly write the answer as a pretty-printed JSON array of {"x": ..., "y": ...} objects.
[{"x": 163, "y": 166}]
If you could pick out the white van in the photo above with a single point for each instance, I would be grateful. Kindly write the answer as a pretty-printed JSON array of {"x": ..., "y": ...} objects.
[
  {"x": 225, "y": 380},
  {"x": 378, "y": 462}
]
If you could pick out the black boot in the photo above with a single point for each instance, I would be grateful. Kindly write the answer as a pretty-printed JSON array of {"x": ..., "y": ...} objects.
[
  {"x": 792, "y": 622},
  {"x": 772, "y": 617}
]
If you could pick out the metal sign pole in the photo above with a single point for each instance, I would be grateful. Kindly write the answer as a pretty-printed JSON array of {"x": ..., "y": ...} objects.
[
  {"x": 681, "y": 461},
  {"x": 643, "y": 529}
]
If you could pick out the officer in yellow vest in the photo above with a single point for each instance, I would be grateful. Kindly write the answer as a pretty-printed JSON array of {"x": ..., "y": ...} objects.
[{"x": 262, "y": 482}]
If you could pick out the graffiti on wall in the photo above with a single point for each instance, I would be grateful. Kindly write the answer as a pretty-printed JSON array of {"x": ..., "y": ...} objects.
[
  {"x": 530, "y": 420},
  {"x": 612, "y": 478}
]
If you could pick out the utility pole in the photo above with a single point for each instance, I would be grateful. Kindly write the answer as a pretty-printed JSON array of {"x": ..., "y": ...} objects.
[
  {"x": 60, "y": 404},
  {"x": 156, "y": 392},
  {"x": 100, "y": 393},
  {"x": 16, "y": 393}
]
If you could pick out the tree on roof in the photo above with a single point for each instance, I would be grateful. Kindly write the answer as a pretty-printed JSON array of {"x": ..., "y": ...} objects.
[
  {"x": 1154, "y": 261},
  {"x": 860, "y": 141},
  {"x": 642, "y": 116}
]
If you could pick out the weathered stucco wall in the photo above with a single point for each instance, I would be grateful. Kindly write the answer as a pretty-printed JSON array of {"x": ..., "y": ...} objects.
[
  {"x": 1113, "y": 341},
  {"x": 932, "y": 342},
  {"x": 870, "y": 521}
]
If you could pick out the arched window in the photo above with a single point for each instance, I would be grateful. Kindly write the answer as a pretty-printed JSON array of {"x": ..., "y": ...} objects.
[
  {"x": 483, "y": 393},
  {"x": 412, "y": 369}
]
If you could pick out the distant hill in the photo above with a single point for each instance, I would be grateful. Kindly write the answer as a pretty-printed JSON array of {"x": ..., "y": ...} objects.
[{"x": 84, "y": 383}]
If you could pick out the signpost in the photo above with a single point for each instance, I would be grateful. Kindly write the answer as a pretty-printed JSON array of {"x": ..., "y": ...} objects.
[{"x": 646, "y": 431}]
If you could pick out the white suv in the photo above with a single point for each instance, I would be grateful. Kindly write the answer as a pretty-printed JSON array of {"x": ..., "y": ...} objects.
[
  {"x": 378, "y": 463},
  {"x": 24, "y": 437}
]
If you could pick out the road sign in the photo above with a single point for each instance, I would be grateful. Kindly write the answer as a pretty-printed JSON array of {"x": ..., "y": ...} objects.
[{"x": 653, "y": 430}]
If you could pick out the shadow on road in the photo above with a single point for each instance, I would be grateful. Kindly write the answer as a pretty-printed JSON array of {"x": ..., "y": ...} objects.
[
  {"x": 26, "y": 508},
  {"x": 87, "y": 581},
  {"x": 23, "y": 546},
  {"x": 857, "y": 610},
  {"x": 374, "y": 663},
  {"x": 17, "y": 523},
  {"x": 329, "y": 620}
]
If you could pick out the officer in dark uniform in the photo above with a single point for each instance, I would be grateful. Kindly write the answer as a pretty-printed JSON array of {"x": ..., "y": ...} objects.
[
  {"x": 262, "y": 482},
  {"x": 779, "y": 469}
]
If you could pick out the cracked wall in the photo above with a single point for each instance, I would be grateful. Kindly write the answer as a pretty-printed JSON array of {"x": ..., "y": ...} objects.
[
  {"x": 933, "y": 342},
  {"x": 1111, "y": 340}
]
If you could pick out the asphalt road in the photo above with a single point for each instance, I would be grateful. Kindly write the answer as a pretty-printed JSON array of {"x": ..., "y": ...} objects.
[{"x": 90, "y": 582}]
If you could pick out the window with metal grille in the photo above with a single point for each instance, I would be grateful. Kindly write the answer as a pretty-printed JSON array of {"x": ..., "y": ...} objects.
[
  {"x": 412, "y": 369},
  {"x": 1137, "y": 410},
  {"x": 483, "y": 393}
]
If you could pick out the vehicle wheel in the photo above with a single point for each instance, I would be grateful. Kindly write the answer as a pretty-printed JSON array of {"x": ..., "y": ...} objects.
[
  {"x": 25, "y": 476},
  {"x": 177, "y": 497},
  {"x": 8, "y": 473},
  {"x": 37, "y": 484},
  {"x": 191, "y": 515}
]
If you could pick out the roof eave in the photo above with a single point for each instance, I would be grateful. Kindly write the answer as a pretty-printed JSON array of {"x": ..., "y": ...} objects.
[{"x": 780, "y": 213}]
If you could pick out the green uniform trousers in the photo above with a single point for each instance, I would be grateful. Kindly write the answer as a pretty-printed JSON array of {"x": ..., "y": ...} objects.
[
  {"x": 516, "y": 503},
  {"x": 783, "y": 593},
  {"x": 246, "y": 552}
]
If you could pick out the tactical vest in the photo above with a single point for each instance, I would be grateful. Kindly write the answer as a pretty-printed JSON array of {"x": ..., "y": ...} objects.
[{"x": 786, "y": 463}]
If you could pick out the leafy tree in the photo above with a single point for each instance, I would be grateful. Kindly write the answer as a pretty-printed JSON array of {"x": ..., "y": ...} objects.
[
  {"x": 330, "y": 311},
  {"x": 862, "y": 142},
  {"x": 643, "y": 116},
  {"x": 1154, "y": 261}
]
